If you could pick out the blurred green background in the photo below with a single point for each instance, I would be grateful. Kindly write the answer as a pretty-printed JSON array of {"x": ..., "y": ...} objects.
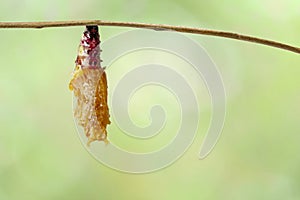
[{"x": 257, "y": 156}]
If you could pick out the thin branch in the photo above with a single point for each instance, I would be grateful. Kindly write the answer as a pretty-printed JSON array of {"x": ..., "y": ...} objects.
[{"x": 157, "y": 27}]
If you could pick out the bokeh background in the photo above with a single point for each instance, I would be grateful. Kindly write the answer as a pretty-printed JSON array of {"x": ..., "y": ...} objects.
[{"x": 257, "y": 156}]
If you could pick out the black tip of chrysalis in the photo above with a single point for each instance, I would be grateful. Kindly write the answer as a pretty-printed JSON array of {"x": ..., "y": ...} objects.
[
  {"x": 92, "y": 36},
  {"x": 92, "y": 29}
]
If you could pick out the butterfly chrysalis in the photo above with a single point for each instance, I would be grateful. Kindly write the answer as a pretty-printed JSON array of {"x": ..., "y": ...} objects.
[{"x": 89, "y": 85}]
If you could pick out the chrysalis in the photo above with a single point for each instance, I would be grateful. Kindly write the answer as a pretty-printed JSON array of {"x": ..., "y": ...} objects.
[{"x": 89, "y": 85}]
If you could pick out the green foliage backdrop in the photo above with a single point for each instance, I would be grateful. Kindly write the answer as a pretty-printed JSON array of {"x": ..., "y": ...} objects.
[{"x": 257, "y": 156}]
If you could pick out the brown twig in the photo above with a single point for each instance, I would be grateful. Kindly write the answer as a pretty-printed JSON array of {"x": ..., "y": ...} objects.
[{"x": 201, "y": 31}]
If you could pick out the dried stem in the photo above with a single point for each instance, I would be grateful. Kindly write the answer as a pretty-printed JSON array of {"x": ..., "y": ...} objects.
[{"x": 158, "y": 27}]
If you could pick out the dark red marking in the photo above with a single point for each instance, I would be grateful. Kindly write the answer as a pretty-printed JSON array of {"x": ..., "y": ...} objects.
[{"x": 91, "y": 37}]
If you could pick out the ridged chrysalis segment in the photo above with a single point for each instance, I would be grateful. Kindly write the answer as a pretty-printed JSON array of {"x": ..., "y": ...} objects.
[{"x": 89, "y": 85}]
